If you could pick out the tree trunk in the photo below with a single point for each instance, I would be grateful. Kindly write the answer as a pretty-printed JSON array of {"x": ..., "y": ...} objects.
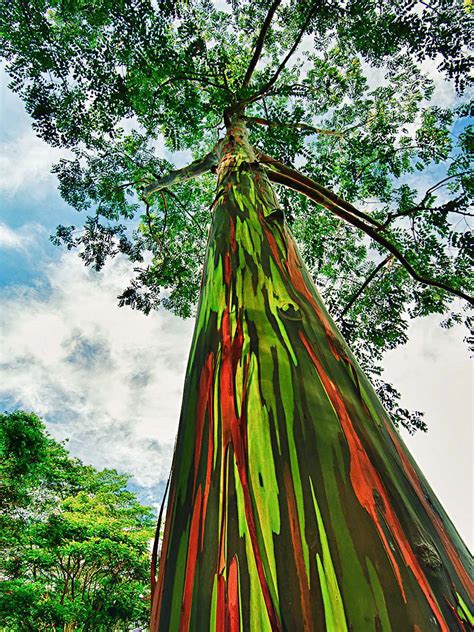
[{"x": 294, "y": 504}]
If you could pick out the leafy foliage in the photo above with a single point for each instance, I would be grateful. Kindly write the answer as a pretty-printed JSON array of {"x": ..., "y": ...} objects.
[
  {"x": 173, "y": 73},
  {"x": 74, "y": 540}
]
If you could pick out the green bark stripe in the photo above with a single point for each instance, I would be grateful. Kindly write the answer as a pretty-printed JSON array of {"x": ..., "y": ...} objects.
[
  {"x": 333, "y": 608},
  {"x": 464, "y": 611}
]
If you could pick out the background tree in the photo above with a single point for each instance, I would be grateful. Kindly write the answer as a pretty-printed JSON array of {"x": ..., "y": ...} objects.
[
  {"x": 74, "y": 541},
  {"x": 381, "y": 251}
]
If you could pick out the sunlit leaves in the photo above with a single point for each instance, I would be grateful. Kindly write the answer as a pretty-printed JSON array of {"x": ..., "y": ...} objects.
[{"x": 74, "y": 540}]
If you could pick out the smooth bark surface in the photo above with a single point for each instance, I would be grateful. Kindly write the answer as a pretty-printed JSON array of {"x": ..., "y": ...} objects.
[{"x": 294, "y": 504}]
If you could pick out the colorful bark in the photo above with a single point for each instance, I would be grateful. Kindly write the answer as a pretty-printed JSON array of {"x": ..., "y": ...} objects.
[{"x": 294, "y": 504}]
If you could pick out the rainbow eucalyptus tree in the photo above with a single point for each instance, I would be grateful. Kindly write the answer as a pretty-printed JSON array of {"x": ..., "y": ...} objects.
[{"x": 315, "y": 155}]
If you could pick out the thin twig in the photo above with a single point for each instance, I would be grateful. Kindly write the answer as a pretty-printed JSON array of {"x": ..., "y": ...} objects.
[
  {"x": 387, "y": 155},
  {"x": 190, "y": 215},
  {"x": 367, "y": 281},
  {"x": 443, "y": 182},
  {"x": 202, "y": 79}
]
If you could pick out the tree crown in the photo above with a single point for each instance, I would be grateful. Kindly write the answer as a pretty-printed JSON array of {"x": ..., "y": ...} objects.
[{"x": 333, "y": 88}]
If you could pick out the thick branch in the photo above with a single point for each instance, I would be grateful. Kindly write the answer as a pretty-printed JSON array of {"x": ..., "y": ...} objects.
[
  {"x": 298, "y": 184},
  {"x": 195, "y": 169},
  {"x": 367, "y": 281},
  {"x": 322, "y": 191},
  {"x": 302, "y": 126},
  {"x": 259, "y": 43}
]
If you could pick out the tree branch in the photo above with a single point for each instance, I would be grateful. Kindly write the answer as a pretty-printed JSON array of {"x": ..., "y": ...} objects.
[
  {"x": 275, "y": 76},
  {"x": 443, "y": 182},
  {"x": 259, "y": 43},
  {"x": 195, "y": 169},
  {"x": 421, "y": 207},
  {"x": 322, "y": 191},
  {"x": 151, "y": 228},
  {"x": 299, "y": 183},
  {"x": 367, "y": 281},
  {"x": 303, "y": 126}
]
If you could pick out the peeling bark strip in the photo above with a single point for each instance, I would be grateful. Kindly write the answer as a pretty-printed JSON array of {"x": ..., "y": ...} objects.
[{"x": 294, "y": 504}]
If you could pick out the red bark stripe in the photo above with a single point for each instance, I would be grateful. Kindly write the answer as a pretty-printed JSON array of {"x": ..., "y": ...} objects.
[
  {"x": 220, "y": 606},
  {"x": 205, "y": 384},
  {"x": 232, "y": 242},
  {"x": 365, "y": 479},
  {"x": 233, "y": 596},
  {"x": 227, "y": 269},
  {"x": 460, "y": 622},
  {"x": 435, "y": 518},
  {"x": 210, "y": 456},
  {"x": 308, "y": 624},
  {"x": 191, "y": 564}
]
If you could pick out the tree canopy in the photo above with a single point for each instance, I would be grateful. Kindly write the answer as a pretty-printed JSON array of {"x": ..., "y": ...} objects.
[
  {"x": 75, "y": 541},
  {"x": 334, "y": 89}
]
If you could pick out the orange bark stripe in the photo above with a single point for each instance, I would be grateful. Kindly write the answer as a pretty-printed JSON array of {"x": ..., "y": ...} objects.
[
  {"x": 205, "y": 383},
  {"x": 365, "y": 479},
  {"x": 191, "y": 564}
]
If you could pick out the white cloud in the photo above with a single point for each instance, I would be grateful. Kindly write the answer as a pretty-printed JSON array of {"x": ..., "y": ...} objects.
[
  {"x": 21, "y": 238},
  {"x": 434, "y": 374},
  {"x": 109, "y": 379},
  {"x": 444, "y": 94},
  {"x": 25, "y": 163},
  {"x": 9, "y": 238}
]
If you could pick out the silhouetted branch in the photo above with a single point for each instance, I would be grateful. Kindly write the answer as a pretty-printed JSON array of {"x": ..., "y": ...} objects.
[
  {"x": 259, "y": 43},
  {"x": 275, "y": 76},
  {"x": 367, "y": 281}
]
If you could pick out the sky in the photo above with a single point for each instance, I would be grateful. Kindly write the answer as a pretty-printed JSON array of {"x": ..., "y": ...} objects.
[{"x": 110, "y": 379}]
